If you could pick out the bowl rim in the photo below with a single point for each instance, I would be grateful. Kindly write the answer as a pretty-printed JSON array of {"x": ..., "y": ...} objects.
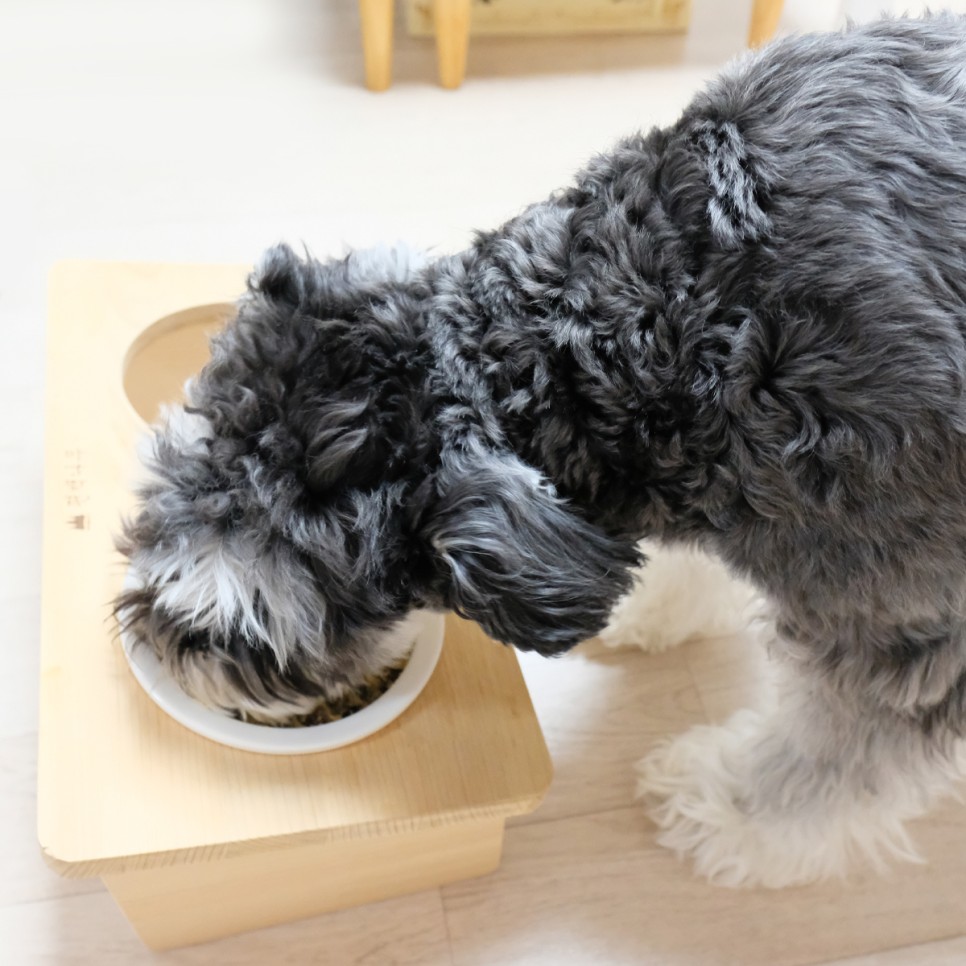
[{"x": 218, "y": 726}]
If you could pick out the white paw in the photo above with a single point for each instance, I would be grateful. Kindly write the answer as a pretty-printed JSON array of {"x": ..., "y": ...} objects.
[
  {"x": 679, "y": 595},
  {"x": 697, "y": 789},
  {"x": 649, "y": 638}
]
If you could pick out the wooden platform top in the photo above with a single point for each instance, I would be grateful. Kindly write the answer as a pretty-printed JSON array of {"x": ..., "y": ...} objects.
[{"x": 120, "y": 785}]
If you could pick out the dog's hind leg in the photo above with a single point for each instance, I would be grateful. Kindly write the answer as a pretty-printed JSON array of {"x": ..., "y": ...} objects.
[
  {"x": 680, "y": 594},
  {"x": 828, "y": 774}
]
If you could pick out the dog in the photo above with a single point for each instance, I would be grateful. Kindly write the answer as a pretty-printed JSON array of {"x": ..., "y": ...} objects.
[{"x": 743, "y": 334}]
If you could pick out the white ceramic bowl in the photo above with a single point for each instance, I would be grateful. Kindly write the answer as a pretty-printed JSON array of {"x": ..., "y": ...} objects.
[{"x": 427, "y": 631}]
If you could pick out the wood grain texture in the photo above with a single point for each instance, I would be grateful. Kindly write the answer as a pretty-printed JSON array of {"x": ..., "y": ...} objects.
[
  {"x": 946, "y": 952},
  {"x": 601, "y": 711},
  {"x": 728, "y": 672},
  {"x": 598, "y": 889},
  {"x": 121, "y": 786}
]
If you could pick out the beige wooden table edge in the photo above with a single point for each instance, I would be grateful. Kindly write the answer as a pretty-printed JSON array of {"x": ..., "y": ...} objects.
[{"x": 92, "y": 868}]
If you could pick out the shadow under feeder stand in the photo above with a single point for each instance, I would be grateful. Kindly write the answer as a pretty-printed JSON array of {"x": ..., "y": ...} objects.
[{"x": 194, "y": 840}]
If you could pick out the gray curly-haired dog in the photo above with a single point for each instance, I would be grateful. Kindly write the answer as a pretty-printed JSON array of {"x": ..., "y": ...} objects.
[{"x": 744, "y": 332}]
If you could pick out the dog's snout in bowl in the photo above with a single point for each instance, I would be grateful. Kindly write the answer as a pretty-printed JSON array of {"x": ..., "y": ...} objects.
[{"x": 257, "y": 595}]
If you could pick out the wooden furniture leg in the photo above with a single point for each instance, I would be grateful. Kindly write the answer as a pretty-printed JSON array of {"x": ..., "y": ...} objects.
[
  {"x": 376, "y": 16},
  {"x": 764, "y": 21},
  {"x": 451, "y": 19}
]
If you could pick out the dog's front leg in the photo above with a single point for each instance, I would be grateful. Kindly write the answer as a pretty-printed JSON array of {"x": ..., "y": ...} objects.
[
  {"x": 680, "y": 594},
  {"x": 797, "y": 792}
]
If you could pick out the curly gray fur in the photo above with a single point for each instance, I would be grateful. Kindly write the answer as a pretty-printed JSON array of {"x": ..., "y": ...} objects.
[{"x": 744, "y": 331}]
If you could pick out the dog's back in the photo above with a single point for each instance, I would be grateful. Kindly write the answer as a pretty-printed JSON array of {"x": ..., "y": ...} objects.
[{"x": 838, "y": 214}]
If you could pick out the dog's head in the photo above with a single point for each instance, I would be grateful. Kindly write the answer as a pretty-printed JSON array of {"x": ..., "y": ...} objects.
[{"x": 302, "y": 503}]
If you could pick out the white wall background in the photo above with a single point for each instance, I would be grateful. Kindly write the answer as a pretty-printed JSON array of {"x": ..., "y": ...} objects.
[
  {"x": 823, "y": 14},
  {"x": 865, "y": 9}
]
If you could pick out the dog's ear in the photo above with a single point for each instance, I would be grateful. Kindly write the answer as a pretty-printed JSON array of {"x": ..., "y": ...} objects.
[
  {"x": 738, "y": 184},
  {"x": 339, "y": 286},
  {"x": 340, "y": 382},
  {"x": 517, "y": 559},
  {"x": 280, "y": 275}
]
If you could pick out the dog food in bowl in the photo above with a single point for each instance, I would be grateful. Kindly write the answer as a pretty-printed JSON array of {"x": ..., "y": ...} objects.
[{"x": 353, "y": 701}]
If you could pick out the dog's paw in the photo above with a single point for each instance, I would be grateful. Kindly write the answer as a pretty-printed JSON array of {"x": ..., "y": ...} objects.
[
  {"x": 650, "y": 638},
  {"x": 696, "y": 788},
  {"x": 692, "y": 788},
  {"x": 680, "y": 595}
]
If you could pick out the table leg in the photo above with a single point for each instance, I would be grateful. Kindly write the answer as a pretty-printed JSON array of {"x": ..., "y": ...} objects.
[
  {"x": 764, "y": 21},
  {"x": 376, "y": 18},
  {"x": 452, "y": 22}
]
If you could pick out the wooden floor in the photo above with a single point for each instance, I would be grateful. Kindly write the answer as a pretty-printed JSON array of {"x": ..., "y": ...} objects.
[{"x": 205, "y": 132}]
